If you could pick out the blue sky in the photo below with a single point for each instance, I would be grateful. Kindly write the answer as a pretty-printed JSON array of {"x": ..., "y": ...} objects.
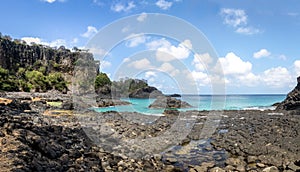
[{"x": 256, "y": 42}]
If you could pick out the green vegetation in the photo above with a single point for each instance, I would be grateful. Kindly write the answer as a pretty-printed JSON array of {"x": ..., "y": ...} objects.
[
  {"x": 27, "y": 80},
  {"x": 101, "y": 80}
]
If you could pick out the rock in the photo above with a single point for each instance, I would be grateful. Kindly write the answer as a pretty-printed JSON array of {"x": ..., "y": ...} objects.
[
  {"x": 217, "y": 169},
  {"x": 168, "y": 102},
  {"x": 292, "y": 101},
  {"x": 251, "y": 159},
  {"x": 271, "y": 169},
  {"x": 146, "y": 92},
  {"x": 175, "y": 95},
  {"x": 67, "y": 105},
  {"x": 293, "y": 167},
  {"x": 111, "y": 102}
]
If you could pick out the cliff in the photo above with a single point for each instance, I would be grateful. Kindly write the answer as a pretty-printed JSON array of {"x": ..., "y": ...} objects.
[
  {"x": 292, "y": 100},
  {"x": 26, "y": 67}
]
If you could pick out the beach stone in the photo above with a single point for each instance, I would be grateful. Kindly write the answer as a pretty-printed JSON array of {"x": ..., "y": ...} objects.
[
  {"x": 217, "y": 169},
  {"x": 271, "y": 169},
  {"x": 251, "y": 159},
  {"x": 261, "y": 165},
  {"x": 240, "y": 168},
  {"x": 293, "y": 167}
]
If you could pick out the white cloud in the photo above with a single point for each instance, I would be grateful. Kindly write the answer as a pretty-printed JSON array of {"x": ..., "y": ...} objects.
[
  {"x": 55, "y": 43},
  {"x": 97, "y": 52},
  {"x": 297, "y": 67},
  {"x": 249, "y": 79},
  {"x": 163, "y": 4},
  {"x": 200, "y": 77},
  {"x": 150, "y": 74},
  {"x": 154, "y": 45},
  {"x": 234, "y": 65},
  {"x": 35, "y": 40},
  {"x": 51, "y": 1},
  {"x": 261, "y": 53},
  {"x": 234, "y": 17},
  {"x": 91, "y": 31},
  {"x": 168, "y": 52},
  {"x": 119, "y": 7},
  {"x": 238, "y": 19},
  {"x": 170, "y": 69},
  {"x": 135, "y": 40},
  {"x": 58, "y": 43},
  {"x": 141, "y": 64},
  {"x": 105, "y": 64},
  {"x": 125, "y": 29},
  {"x": 201, "y": 61},
  {"x": 126, "y": 60},
  {"x": 247, "y": 30},
  {"x": 278, "y": 77},
  {"x": 142, "y": 17}
]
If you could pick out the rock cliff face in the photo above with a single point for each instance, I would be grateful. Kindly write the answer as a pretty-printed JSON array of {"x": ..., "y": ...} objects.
[
  {"x": 20, "y": 62},
  {"x": 146, "y": 92},
  {"x": 292, "y": 101}
]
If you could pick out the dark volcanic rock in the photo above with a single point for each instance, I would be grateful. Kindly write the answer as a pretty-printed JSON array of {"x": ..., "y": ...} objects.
[
  {"x": 146, "y": 92},
  {"x": 111, "y": 102},
  {"x": 292, "y": 101},
  {"x": 169, "y": 102}
]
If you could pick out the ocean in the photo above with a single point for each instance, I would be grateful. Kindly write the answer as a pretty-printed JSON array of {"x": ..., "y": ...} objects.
[{"x": 204, "y": 102}]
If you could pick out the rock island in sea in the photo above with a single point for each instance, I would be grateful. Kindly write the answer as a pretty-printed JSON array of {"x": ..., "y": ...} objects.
[{"x": 41, "y": 130}]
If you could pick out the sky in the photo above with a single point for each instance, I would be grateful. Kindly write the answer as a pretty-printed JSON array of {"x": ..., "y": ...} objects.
[{"x": 238, "y": 47}]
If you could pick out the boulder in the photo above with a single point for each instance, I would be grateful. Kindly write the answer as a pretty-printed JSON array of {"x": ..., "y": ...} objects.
[
  {"x": 292, "y": 100},
  {"x": 111, "y": 102},
  {"x": 168, "y": 102},
  {"x": 146, "y": 92}
]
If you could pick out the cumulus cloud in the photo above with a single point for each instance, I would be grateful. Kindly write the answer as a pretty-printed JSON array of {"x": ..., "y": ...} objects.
[
  {"x": 142, "y": 17},
  {"x": 234, "y": 65},
  {"x": 150, "y": 74},
  {"x": 234, "y": 17},
  {"x": 168, "y": 68},
  {"x": 163, "y": 4},
  {"x": 119, "y": 7},
  {"x": 105, "y": 64},
  {"x": 261, "y": 53},
  {"x": 278, "y": 77},
  {"x": 201, "y": 61},
  {"x": 168, "y": 52},
  {"x": 297, "y": 67},
  {"x": 238, "y": 19},
  {"x": 36, "y": 40},
  {"x": 141, "y": 64},
  {"x": 135, "y": 40},
  {"x": 91, "y": 31}
]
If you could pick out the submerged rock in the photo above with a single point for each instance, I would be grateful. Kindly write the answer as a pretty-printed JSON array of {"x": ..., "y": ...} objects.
[
  {"x": 168, "y": 102},
  {"x": 292, "y": 101}
]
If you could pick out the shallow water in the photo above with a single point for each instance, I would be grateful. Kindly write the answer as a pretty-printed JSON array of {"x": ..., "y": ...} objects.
[{"x": 204, "y": 102}]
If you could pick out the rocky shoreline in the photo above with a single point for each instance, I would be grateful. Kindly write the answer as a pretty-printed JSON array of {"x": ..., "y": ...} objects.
[{"x": 50, "y": 139}]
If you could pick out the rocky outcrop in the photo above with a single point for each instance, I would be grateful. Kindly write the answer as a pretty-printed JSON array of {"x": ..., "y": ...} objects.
[
  {"x": 146, "y": 92},
  {"x": 111, "y": 102},
  {"x": 292, "y": 101},
  {"x": 168, "y": 102}
]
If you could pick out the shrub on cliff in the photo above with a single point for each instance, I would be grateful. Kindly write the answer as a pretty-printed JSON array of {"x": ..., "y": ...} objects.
[{"x": 101, "y": 80}]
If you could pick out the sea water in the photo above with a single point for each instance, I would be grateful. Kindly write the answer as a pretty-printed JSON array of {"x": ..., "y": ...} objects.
[{"x": 204, "y": 102}]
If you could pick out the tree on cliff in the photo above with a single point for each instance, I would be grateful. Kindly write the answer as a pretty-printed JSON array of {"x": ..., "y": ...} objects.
[{"x": 101, "y": 80}]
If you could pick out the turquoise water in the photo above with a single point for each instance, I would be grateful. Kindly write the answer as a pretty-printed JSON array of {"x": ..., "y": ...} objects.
[{"x": 204, "y": 102}]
